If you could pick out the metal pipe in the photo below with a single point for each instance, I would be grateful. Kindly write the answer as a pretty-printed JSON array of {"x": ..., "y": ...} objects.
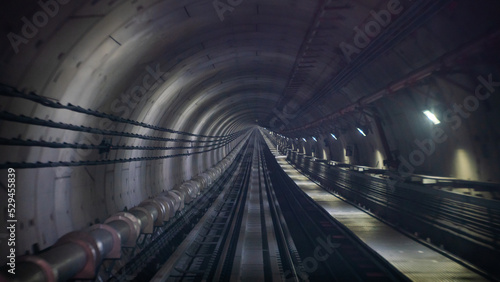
[
  {"x": 30, "y": 273},
  {"x": 122, "y": 229},
  {"x": 77, "y": 254},
  {"x": 103, "y": 239},
  {"x": 66, "y": 260}
]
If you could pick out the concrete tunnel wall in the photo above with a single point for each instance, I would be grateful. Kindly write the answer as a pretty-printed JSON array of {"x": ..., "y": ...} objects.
[
  {"x": 467, "y": 147},
  {"x": 213, "y": 77},
  {"x": 94, "y": 74}
]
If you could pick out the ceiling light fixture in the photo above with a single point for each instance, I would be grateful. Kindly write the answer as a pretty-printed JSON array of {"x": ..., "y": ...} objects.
[
  {"x": 361, "y": 131},
  {"x": 432, "y": 117}
]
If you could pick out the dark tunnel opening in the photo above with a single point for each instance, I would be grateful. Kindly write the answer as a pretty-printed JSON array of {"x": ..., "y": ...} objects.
[{"x": 153, "y": 140}]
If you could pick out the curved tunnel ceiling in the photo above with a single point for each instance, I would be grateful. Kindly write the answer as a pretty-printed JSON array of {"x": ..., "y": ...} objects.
[
  {"x": 216, "y": 67},
  {"x": 106, "y": 48},
  {"x": 201, "y": 58}
]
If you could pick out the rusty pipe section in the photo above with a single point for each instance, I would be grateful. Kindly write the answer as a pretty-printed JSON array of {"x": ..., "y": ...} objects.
[{"x": 78, "y": 254}]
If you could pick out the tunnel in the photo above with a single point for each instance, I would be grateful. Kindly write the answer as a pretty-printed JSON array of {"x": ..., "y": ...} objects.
[{"x": 249, "y": 140}]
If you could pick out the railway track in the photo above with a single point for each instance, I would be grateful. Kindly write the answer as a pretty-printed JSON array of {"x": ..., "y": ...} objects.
[
  {"x": 263, "y": 228},
  {"x": 460, "y": 223},
  {"x": 344, "y": 257}
]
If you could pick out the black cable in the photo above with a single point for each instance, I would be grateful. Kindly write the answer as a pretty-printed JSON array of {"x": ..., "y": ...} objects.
[
  {"x": 20, "y": 165},
  {"x": 8, "y": 91},
  {"x": 64, "y": 145},
  {"x": 49, "y": 123}
]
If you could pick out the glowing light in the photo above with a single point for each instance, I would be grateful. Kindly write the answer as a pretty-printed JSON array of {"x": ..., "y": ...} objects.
[
  {"x": 314, "y": 139},
  {"x": 333, "y": 136},
  {"x": 432, "y": 117},
  {"x": 304, "y": 139},
  {"x": 361, "y": 131},
  {"x": 464, "y": 165}
]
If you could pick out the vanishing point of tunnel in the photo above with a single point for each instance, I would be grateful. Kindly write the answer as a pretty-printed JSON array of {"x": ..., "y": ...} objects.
[{"x": 250, "y": 140}]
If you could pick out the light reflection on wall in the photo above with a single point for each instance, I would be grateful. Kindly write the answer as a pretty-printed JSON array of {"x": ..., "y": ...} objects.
[
  {"x": 347, "y": 159},
  {"x": 379, "y": 159},
  {"x": 464, "y": 166}
]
